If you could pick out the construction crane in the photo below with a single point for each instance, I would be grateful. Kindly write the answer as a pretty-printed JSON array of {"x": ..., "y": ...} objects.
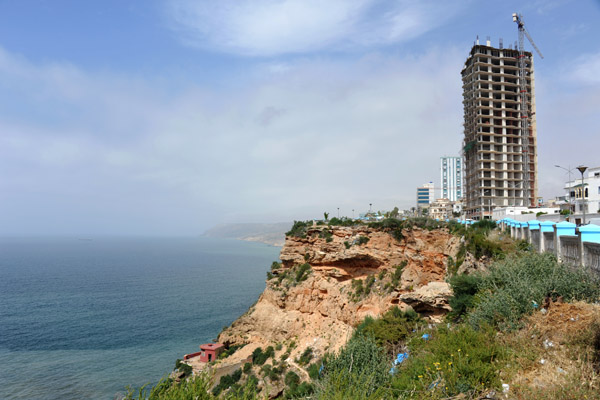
[{"x": 524, "y": 112}]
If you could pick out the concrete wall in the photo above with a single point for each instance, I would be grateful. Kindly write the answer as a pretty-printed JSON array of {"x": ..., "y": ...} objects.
[{"x": 579, "y": 247}]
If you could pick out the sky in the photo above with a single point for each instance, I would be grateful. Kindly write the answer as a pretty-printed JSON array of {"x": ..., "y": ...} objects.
[{"x": 166, "y": 117}]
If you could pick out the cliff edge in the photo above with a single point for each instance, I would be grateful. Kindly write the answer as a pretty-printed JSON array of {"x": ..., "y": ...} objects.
[{"x": 331, "y": 277}]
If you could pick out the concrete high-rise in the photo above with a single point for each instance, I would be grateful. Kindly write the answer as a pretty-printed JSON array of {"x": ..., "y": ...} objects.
[
  {"x": 451, "y": 176},
  {"x": 493, "y": 147}
]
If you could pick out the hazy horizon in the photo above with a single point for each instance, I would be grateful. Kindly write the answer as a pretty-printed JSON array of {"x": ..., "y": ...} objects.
[{"x": 168, "y": 117}]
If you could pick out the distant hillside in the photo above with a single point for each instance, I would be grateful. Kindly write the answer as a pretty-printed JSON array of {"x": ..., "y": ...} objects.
[{"x": 273, "y": 234}]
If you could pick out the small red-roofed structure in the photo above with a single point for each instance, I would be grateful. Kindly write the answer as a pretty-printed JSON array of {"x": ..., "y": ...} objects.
[{"x": 210, "y": 351}]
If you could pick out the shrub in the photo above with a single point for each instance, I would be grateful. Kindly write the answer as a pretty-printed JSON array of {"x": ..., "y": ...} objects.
[
  {"x": 360, "y": 367},
  {"x": 362, "y": 240},
  {"x": 292, "y": 379},
  {"x": 390, "y": 225},
  {"x": 275, "y": 265},
  {"x": 306, "y": 356},
  {"x": 357, "y": 285},
  {"x": 227, "y": 381},
  {"x": 464, "y": 288},
  {"x": 302, "y": 272},
  {"x": 313, "y": 370},
  {"x": 398, "y": 269},
  {"x": 247, "y": 368},
  {"x": 507, "y": 292},
  {"x": 347, "y": 244},
  {"x": 266, "y": 369},
  {"x": 327, "y": 235},
  {"x": 463, "y": 360},
  {"x": 185, "y": 368},
  {"x": 342, "y": 222},
  {"x": 299, "y": 229},
  {"x": 391, "y": 329},
  {"x": 259, "y": 357},
  {"x": 369, "y": 284},
  {"x": 230, "y": 350}
]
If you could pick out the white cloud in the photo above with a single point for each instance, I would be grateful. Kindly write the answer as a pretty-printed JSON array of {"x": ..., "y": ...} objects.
[
  {"x": 273, "y": 27},
  {"x": 585, "y": 69},
  {"x": 318, "y": 135}
]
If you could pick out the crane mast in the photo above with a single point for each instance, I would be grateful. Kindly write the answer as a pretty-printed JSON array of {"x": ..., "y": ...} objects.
[{"x": 526, "y": 187}]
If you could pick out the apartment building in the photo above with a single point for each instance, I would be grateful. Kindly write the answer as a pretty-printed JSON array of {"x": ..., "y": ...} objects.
[
  {"x": 500, "y": 157},
  {"x": 451, "y": 178}
]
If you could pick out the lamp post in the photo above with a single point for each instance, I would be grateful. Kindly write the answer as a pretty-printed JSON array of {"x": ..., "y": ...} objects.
[
  {"x": 338, "y": 213},
  {"x": 582, "y": 169},
  {"x": 513, "y": 185},
  {"x": 569, "y": 169},
  {"x": 483, "y": 203}
]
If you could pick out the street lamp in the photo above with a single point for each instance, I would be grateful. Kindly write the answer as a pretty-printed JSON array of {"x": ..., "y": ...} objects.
[
  {"x": 582, "y": 169},
  {"x": 513, "y": 185},
  {"x": 338, "y": 213},
  {"x": 569, "y": 169}
]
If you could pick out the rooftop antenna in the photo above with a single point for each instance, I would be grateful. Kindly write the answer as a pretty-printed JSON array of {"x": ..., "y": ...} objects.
[{"x": 501, "y": 45}]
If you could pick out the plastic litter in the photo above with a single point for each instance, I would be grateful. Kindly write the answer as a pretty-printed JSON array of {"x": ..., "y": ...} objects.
[
  {"x": 400, "y": 358},
  {"x": 425, "y": 336},
  {"x": 505, "y": 387},
  {"x": 435, "y": 383},
  {"x": 548, "y": 344},
  {"x": 560, "y": 370},
  {"x": 542, "y": 361},
  {"x": 543, "y": 311},
  {"x": 534, "y": 304}
]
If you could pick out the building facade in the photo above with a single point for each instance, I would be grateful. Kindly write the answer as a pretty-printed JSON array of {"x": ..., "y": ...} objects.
[
  {"x": 584, "y": 195},
  {"x": 451, "y": 177},
  {"x": 494, "y": 149},
  {"x": 425, "y": 195},
  {"x": 441, "y": 209}
]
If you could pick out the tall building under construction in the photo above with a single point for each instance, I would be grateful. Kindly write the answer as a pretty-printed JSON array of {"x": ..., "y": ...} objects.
[{"x": 500, "y": 147}]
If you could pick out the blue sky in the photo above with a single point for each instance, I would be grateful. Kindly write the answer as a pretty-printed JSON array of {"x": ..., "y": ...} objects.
[{"x": 166, "y": 117}]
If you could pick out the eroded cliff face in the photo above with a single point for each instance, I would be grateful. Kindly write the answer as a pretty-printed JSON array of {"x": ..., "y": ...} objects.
[{"x": 321, "y": 306}]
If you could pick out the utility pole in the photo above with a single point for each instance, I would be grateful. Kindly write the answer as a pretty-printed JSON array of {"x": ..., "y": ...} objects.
[{"x": 582, "y": 169}]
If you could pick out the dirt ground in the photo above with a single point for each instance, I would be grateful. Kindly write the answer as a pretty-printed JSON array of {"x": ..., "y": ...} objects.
[{"x": 558, "y": 354}]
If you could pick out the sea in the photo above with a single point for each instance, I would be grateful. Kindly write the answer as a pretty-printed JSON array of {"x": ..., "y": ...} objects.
[{"x": 83, "y": 318}]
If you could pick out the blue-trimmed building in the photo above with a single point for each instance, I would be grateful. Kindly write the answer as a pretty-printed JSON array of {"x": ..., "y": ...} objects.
[{"x": 425, "y": 195}]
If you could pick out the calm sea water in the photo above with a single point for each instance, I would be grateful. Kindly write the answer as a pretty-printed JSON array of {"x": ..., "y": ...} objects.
[{"x": 82, "y": 319}]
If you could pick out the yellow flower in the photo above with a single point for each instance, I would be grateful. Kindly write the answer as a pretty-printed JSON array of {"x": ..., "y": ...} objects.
[
  {"x": 420, "y": 376},
  {"x": 459, "y": 350},
  {"x": 450, "y": 363}
]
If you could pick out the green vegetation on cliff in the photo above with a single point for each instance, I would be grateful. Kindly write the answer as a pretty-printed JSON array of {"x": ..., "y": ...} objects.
[{"x": 512, "y": 325}]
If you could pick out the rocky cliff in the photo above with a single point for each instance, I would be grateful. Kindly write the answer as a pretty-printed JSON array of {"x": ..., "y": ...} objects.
[{"x": 332, "y": 277}]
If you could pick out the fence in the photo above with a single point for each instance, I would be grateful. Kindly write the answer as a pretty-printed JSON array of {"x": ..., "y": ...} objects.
[{"x": 575, "y": 246}]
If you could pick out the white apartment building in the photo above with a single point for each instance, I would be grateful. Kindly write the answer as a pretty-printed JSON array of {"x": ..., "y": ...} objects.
[{"x": 451, "y": 177}]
